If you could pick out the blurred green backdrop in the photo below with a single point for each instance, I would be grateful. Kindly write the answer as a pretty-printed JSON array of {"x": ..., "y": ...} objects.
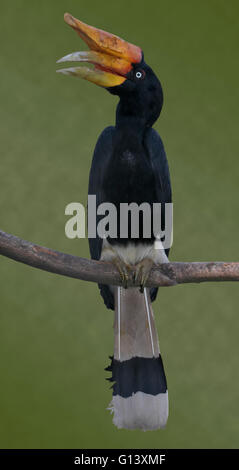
[{"x": 55, "y": 333}]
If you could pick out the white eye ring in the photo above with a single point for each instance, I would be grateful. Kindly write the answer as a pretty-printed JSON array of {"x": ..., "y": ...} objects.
[{"x": 138, "y": 74}]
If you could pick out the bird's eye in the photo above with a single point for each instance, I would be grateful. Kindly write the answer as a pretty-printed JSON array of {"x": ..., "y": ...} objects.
[{"x": 140, "y": 74}]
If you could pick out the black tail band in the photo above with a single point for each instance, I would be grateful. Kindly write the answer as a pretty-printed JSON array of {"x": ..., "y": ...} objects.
[{"x": 138, "y": 374}]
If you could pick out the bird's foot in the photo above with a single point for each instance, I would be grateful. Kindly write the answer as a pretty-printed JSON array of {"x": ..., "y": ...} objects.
[
  {"x": 142, "y": 270},
  {"x": 124, "y": 271}
]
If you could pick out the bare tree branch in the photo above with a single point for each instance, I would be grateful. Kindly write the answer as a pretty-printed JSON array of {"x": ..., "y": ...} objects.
[{"x": 105, "y": 273}]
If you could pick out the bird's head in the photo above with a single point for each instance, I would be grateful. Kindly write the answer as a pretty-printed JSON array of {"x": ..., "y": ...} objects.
[{"x": 120, "y": 68}]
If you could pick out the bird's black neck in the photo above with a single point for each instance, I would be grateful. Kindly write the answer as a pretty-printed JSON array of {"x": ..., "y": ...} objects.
[{"x": 128, "y": 118}]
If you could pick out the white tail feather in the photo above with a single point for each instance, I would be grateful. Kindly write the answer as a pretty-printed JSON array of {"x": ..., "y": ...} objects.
[
  {"x": 140, "y": 411},
  {"x": 136, "y": 337}
]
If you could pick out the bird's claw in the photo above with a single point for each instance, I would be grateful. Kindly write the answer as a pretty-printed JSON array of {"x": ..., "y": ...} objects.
[
  {"x": 123, "y": 269},
  {"x": 142, "y": 270}
]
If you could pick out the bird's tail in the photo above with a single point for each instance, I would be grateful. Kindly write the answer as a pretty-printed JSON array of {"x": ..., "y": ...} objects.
[{"x": 140, "y": 396}]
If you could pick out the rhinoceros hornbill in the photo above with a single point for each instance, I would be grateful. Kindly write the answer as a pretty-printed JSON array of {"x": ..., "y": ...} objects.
[{"x": 129, "y": 166}]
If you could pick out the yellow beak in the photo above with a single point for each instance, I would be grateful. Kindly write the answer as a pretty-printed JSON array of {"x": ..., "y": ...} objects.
[{"x": 111, "y": 56}]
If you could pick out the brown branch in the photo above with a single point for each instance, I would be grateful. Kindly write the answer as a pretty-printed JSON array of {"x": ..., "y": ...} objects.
[{"x": 105, "y": 273}]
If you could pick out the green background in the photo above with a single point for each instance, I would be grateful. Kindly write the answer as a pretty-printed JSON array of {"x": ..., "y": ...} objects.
[{"x": 55, "y": 333}]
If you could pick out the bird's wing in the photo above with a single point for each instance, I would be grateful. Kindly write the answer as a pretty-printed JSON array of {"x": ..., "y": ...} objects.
[
  {"x": 102, "y": 154},
  {"x": 155, "y": 149},
  {"x": 157, "y": 155}
]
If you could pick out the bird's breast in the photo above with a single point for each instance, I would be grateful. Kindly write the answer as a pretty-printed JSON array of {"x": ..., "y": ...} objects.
[{"x": 129, "y": 178}]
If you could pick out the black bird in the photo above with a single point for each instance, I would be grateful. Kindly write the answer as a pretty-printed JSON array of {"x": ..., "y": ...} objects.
[{"x": 129, "y": 166}]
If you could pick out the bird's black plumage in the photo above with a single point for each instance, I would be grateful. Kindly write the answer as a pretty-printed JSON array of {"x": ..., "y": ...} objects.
[{"x": 129, "y": 162}]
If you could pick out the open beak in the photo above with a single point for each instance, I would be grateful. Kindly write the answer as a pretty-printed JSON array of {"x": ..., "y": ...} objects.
[{"x": 112, "y": 57}]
